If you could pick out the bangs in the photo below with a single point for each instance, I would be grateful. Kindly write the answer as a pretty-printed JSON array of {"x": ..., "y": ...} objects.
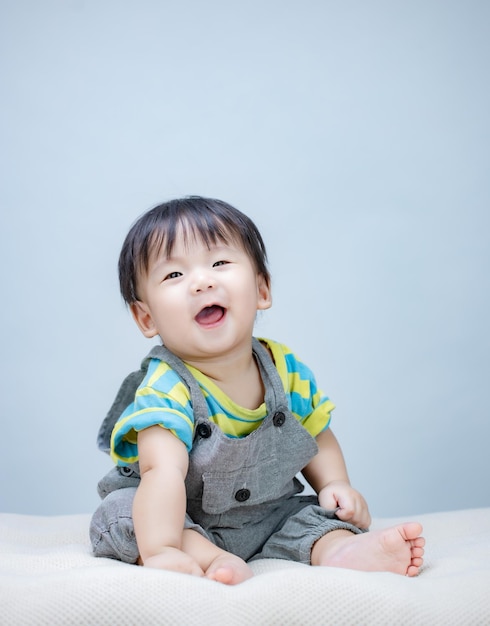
[{"x": 204, "y": 228}]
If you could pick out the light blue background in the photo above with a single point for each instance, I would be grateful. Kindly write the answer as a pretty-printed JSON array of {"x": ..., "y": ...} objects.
[{"x": 356, "y": 135}]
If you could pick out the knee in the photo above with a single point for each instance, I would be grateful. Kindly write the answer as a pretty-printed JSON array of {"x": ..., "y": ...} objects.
[{"x": 111, "y": 529}]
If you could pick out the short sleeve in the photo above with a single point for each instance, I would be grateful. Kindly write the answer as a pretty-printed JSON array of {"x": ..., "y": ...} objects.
[
  {"x": 162, "y": 399},
  {"x": 309, "y": 404}
]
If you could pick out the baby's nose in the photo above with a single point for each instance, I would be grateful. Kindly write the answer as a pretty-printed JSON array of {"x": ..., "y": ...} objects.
[{"x": 203, "y": 281}]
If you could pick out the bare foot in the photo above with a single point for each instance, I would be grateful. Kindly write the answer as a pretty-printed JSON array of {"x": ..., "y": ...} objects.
[
  {"x": 398, "y": 549},
  {"x": 228, "y": 569}
]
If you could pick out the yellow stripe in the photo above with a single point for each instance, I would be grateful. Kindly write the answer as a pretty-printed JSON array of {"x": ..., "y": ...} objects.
[
  {"x": 299, "y": 385},
  {"x": 319, "y": 419},
  {"x": 121, "y": 422},
  {"x": 178, "y": 392},
  {"x": 161, "y": 369}
]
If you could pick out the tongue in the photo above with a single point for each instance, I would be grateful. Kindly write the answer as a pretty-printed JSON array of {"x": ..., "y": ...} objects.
[{"x": 210, "y": 315}]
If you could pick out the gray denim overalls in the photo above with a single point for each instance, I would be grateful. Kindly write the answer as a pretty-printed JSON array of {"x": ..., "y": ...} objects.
[{"x": 241, "y": 493}]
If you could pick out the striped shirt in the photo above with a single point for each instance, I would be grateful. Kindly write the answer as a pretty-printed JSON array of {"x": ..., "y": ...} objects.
[{"x": 164, "y": 399}]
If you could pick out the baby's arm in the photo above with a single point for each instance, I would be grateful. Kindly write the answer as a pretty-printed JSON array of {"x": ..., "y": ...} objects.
[
  {"x": 327, "y": 474},
  {"x": 160, "y": 501}
]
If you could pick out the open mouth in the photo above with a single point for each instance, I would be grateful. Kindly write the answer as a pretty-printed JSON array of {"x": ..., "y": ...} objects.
[{"x": 210, "y": 315}]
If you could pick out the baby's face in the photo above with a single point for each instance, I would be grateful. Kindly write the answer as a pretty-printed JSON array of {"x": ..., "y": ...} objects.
[{"x": 201, "y": 300}]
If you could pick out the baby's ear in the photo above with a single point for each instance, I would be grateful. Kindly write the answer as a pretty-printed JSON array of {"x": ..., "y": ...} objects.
[
  {"x": 143, "y": 318},
  {"x": 264, "y": 300}
]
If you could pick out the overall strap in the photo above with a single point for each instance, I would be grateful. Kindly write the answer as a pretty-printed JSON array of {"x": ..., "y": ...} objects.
[
  {"x": 129, "y": 386},
  {"x": 275, "y": 395},
  {"x": 198, "y": 401}
]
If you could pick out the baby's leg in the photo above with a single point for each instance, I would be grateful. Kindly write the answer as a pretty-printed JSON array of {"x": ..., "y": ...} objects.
[
  {"x": 398, "y": 549},
  {"x": 216, "y": 563},
  {"x": 111, "y": 528}
]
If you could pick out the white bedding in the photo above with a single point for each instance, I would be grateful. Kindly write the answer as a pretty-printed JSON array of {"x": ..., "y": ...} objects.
[{"x": 48, "y": 576}]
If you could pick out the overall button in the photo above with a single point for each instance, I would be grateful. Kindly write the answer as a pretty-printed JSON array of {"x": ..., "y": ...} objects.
[
  {"x": 204, "y": 430},
  {"x": 279, "y": 419},
  {"x": 125, "y": 471},
  {"x": 242, "y": 495}
]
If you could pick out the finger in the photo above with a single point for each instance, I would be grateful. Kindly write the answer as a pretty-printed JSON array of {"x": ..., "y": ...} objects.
[
  {"x": 366, "y": 523},
  {"x": 346, "y": 514},
  {"x": 329, "y": 501},
  {"x": 354, "y": 511},
  {"x": 347, "y": 509}
]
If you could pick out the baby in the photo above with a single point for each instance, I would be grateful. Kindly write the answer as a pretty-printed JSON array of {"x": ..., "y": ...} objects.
[{"x": 209, "y": 435}]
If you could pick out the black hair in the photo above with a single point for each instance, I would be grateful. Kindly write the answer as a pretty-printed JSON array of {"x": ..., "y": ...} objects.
[{"x": 209, "y": 219}]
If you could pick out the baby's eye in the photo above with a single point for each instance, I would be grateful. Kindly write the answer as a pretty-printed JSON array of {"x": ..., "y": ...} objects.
[
  {"x": 218, "y": 263},
  {"x": 172, "y": 275}
]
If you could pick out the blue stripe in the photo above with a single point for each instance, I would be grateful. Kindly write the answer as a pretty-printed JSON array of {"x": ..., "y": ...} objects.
[
  {"x": 297, "y": 367},
  {"x": 152, "y": 400},
  {"x": 160, "y": 417}
]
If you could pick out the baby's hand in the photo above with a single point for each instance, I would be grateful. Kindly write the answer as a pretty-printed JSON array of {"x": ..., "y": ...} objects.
[
  {"x": 174, "y": 560},
  {"x": 350, "y": 504}
]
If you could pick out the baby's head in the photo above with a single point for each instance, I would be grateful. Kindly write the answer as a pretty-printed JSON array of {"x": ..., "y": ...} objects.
[{"x": 206, "y": 219}]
